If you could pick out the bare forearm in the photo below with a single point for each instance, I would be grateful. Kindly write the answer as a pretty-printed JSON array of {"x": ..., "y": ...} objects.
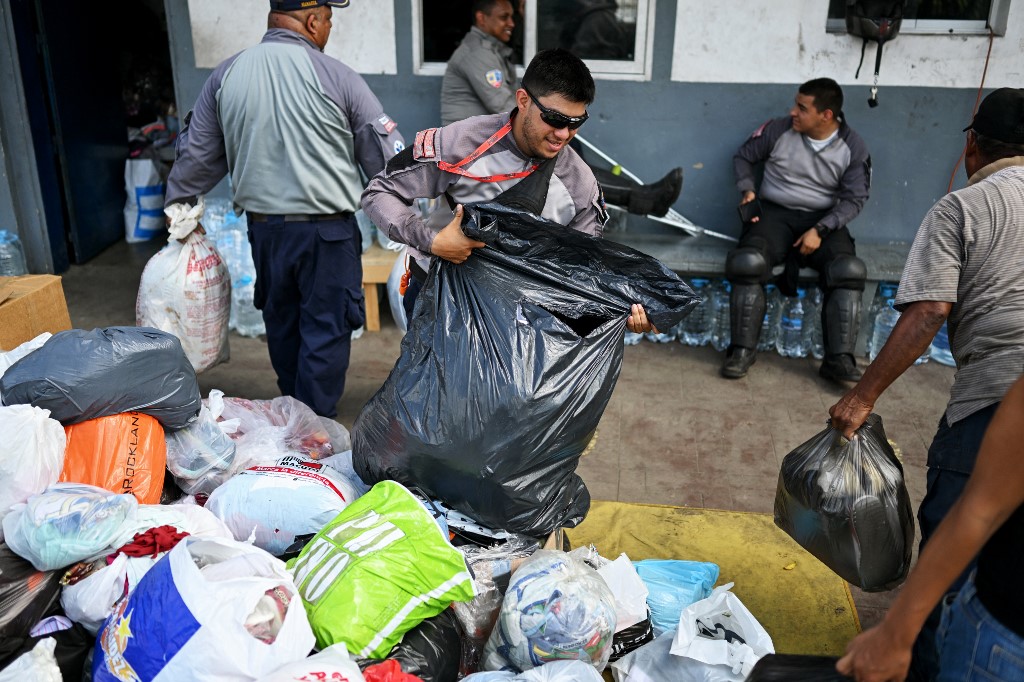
[{"x": 910, "y": 337}]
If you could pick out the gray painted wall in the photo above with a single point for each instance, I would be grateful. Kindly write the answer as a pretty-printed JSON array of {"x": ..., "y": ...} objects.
[{"x": 914, "y": 135}]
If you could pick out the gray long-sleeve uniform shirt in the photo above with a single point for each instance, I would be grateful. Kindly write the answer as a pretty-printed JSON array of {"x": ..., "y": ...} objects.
[
  {"x": 796, "y": 176},
  {"x": 290, "y": 125},
  {"x": 480, "y": 78},
  {"x": 573, "y": 199}
]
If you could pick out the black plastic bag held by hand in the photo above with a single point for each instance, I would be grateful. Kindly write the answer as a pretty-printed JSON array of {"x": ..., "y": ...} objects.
[
  {"x": 794, "y": 668},
  {"x": 847, "y": 504},
  {"x": 508, "y": 364}
]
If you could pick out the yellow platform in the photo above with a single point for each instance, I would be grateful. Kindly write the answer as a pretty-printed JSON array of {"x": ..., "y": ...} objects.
[{"x": 807, "y": 609}]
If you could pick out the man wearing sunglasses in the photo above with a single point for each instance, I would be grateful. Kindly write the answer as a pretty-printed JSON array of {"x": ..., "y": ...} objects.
[
  {"x": 521, "y": 159},
  {"x": 480, "y": 78}
]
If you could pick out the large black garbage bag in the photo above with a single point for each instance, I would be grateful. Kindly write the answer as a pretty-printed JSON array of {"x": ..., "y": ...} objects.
[
  {"x": 432, "y": 651},
  {"x": 507, "y": 367},
  {"x": 795, "y": 668},
  {"x": 79, "y": 375},
  {"x": 26, "y": 596},
  {"x": 846, "y": 503}
]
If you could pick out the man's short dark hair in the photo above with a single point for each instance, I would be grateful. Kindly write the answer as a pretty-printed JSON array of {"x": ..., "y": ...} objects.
[
  {"x": 485, "y": 6},
  {"x": 826, "y": 93},
  {"x": 993, "y": 150},
  {"x": 559, "y": 72}
]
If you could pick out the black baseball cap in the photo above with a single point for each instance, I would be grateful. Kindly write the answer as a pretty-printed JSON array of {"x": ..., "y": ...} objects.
[
  {"x": 1001, "y": 116},
  {"x": 292, "y": 5}
]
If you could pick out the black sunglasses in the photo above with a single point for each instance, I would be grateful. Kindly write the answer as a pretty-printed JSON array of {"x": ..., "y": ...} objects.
[{"x": 556, "y": 119}]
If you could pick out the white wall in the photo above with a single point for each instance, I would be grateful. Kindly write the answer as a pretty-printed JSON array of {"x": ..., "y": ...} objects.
[
  {"x": 784, "y": 41},
  {"x": 363, "y": 36}
]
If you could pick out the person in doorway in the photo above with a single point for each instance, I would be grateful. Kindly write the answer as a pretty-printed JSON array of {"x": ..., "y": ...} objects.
[
  {"x": 293, "y": 127},
  {"x": 983, "y": 637},
  {"x": 480, "y": 79},
  {"x": 966, "y": 264},
  {"x": 520, "y": 158},
  {"x": 817, "y": 173}
]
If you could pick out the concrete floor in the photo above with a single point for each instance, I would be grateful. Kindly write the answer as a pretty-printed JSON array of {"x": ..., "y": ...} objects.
[{"x": 674, "y": 432}]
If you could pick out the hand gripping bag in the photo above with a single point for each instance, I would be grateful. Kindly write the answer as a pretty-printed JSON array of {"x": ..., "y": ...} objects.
[
  {"x": 31, "y": 454},
  {"x": 123, "y": 453},
  {"x": 185, "y": 290},
  {"x": 376, "y": 571},
  {"x": 846, "y": 503},
  {"x": 200, "y": 614},
  {"x": 508, "y": 364},
  {"x": 79, "y": 375}
]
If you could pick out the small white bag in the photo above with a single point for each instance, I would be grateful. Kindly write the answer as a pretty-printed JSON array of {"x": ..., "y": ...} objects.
[{"x": 723, "y": 634}]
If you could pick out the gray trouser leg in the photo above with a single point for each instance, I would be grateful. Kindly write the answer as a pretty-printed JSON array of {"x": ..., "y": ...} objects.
[
  {"x": 840, "y": 321},
  {"x": 746, "y": 312}
]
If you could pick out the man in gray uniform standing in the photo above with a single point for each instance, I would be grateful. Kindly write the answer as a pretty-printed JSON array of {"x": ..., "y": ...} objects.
[
  {"x": 481, "y": 79},
  {"x": 817, "y": 173},
  {"x": 519, "y": 158},
  {"x": 293, "y": 127}
]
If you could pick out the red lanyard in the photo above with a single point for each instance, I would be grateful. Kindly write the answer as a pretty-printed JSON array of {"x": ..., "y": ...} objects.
[{"x": 458, "y": 170}]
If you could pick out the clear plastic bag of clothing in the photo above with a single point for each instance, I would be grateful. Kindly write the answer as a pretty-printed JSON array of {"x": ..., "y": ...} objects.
[
  {"x": 507, "y": 367},
  {"x": 846, "y": 503}
]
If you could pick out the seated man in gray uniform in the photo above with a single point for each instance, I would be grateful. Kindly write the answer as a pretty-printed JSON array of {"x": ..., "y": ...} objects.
[
  {"x": 817, "y": 173},
  {"x": 481, "y": 79},
  {"x": 519, "y": 158}
]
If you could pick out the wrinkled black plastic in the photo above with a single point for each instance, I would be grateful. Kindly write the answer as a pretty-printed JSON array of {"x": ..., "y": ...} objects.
[
  {"x": 26, "y": 596},
  {"x": 71, "y": 652},
  {"x": 846, "y": 503},
  {"x": 508, "y": 364},
  {"x": 632, "y": 638},
  {"x": 791, "y": 668},
  {"x": 432, "y": 651},
  {"x": 79, "y": 375}
]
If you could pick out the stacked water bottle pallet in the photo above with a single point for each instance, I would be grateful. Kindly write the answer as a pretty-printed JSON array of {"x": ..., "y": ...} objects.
[{"x": 230, "y": 235}]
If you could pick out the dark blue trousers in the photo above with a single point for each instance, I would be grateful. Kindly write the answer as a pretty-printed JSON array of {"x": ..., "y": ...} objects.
[{"x": 309, "y": 286}]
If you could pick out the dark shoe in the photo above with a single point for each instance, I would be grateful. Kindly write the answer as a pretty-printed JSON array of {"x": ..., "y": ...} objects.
[
  {"x": 840, "y": 368},
  {"x": 657, "y": 198},
  {"x": 737, "y": 362}
]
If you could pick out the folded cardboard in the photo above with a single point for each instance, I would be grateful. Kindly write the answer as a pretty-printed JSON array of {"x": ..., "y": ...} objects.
[{"x": 29, "y": 306}]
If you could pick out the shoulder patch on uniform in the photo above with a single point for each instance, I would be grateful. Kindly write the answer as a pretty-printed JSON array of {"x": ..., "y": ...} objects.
[
  {"x": 760, "y": 130},
  {"x": 494, "y": 78},
  {"x": 423, "y": 147},
  {"x": 388, "y": 123}
]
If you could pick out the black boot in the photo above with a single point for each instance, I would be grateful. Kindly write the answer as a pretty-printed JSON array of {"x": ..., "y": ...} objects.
[
  {"x": 737, "y": 361},
  {"x": 840, "y": 326},
  {"x": 654, "y": 199},
  {"x": 746, "y": 311}
]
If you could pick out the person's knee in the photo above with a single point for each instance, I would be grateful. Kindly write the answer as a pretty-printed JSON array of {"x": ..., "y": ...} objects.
[
  {"x": 746, "y": 265},
  {"x": 846, "y": 272}
]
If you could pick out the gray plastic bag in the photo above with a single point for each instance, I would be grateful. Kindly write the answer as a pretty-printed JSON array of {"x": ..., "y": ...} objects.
[{"x": 79, "y": 375}]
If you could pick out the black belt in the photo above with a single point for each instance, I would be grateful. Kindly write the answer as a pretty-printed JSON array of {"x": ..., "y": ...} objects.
[
  {"x": 295, "y": 217},
  {"x": 418, "y": 273}
]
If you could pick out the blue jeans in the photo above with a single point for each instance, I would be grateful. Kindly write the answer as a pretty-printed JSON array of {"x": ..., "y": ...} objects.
[{"x": 973, "y": 645}]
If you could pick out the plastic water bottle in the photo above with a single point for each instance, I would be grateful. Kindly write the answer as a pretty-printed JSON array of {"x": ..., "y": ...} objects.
[
  {"x": 721, "y": 332},
  {"x": 812, "y": 318},
  {"x": 885, "y": 321},
  {"x": 661, "y": 337},
  {"x": 247, "y": 320},
  {"x": 695, "y": 329},
  {"x": 792, "y": 343},
  {"x": 772, "y": 318},
  {"x": 12, "y": 256},
  {"x": 940, "y": 351},
  {"x": 884, "y": 292},
  {"x": 632, "y": 338}
]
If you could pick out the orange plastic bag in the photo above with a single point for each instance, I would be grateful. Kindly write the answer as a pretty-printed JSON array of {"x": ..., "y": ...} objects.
[{"x": 123, "y": 453}]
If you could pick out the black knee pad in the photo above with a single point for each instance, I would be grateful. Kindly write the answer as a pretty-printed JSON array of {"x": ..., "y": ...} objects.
[
  {"x": 746, "y": 265},
  {"x": 846, "y": 272}
]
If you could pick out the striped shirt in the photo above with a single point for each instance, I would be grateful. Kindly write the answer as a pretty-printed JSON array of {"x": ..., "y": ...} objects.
[{"x": 969, "y": 251}]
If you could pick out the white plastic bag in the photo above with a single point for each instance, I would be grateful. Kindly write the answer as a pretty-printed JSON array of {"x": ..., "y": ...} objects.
[
  {"x": 90, "y": 600},
  {"x": 201, "y": 456},
  {"x": 721, "y": 633},
  {"x": 144, "y": 209},
  {"x": 555, "y": 671},
  {"x": 629, "y": 591},
  {"x": 395, "y": 291},
  {"x": 654, "y": 662},
  {"x": 333, "y": 663},
  {"x": 31, "y": 454},
  {"x": 12, "y": 356},
  {"x": 197, "y": 616},
  {"x": 38, "y": 665},
  {"x": 187, "y": 518},
  {"x": 186, "y": 291}
]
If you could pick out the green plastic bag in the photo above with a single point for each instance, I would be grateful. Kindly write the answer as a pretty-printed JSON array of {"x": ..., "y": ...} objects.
[{"x": 376, "y": 571}]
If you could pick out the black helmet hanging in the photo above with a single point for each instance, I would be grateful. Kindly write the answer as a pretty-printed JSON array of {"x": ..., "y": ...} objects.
[{"x": 877, "y": 20}]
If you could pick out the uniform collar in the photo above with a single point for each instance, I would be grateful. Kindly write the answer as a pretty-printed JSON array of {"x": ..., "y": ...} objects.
[
  {"x": 284, "y": 35},
  {"x": 995, "y": 167}
]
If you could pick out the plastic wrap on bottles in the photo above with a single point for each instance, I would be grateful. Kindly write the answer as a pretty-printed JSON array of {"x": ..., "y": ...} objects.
[
  {"x": 846, "y": 503},
  {"x": 79, "y": 375},
  {"x": 122, "y": 453},
  {"x": 277, "y": 502},
  {"x": 185, "y": 290},
  {"x": 795, "y": 668},
  {"x": 27, "y": 429},
  {"x": 26, "y": 595},
  {"x": 673, "y": 585},
  {"x": 507, "y": 367},
  {"x": 200, "y": 456},
  {"x": 492, "y": 568},
  {"x": 67, "y": 523},
  {"x": 556, "y": 608}
]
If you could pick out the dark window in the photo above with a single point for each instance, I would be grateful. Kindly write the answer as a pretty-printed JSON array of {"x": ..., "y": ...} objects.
[{"x": 935, "y": 10}]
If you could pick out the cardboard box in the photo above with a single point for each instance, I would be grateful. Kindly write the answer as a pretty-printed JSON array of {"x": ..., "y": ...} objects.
[{"x": 29, "y": 306}]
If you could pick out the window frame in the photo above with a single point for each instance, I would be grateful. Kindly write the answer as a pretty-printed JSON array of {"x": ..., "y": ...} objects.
[
  {"x": 997, "y": 20},
  {"x": 639, "y": 69}
]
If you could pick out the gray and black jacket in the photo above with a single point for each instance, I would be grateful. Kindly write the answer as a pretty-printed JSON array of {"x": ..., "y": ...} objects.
[{"x": 480, "y": 78}]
